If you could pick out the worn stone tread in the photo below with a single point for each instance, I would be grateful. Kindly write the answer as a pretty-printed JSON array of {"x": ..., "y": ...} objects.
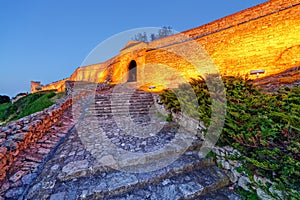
[{"x": 189, "y": 185}]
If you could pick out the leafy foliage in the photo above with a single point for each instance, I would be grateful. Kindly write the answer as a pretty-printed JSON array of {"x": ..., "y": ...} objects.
[
  {"x": 4, "y": 99},
  {"x": 264, "y": 127},
  {"x": 246, "y": 195},
  {"x": 186, "y": 92},
  {"x": 163, "y": 32},
  {"x": 3, "y": 109}
]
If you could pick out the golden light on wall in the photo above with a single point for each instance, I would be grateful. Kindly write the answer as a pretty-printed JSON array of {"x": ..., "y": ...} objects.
[
  {"x": 159, "y": 74},
  {"x": 257, "y": 38},
  {"x": 101, "y": 76}
]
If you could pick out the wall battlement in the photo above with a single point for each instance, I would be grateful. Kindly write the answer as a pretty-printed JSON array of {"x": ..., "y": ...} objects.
[{"x": 264, "y": 37}]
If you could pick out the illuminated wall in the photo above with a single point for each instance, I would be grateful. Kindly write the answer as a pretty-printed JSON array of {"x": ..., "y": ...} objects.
[
  {"x": 58, "y": 85},
  {"x": 265, "y": 37}
]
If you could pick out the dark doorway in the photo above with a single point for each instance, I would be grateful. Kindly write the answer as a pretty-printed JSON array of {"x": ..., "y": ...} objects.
[{"x": 132, "y": 71}]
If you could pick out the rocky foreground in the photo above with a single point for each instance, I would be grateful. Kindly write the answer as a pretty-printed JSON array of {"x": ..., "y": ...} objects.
[{"x": 105, "y": 156}]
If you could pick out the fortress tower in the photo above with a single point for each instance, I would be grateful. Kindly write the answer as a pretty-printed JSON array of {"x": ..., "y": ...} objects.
[{"x": 35, "y": 86}]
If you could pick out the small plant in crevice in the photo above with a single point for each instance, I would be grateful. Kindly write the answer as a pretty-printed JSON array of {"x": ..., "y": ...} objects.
[
  {"x": 211, "y": 154},
  {"x": 169, "y": 118},
  {"x": 246, "y": 195}
]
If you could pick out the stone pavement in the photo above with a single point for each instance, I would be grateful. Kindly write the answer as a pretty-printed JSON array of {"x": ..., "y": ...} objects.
[
  {"x": 73, "y": 173},
  {"x": 121, "y": 148}
]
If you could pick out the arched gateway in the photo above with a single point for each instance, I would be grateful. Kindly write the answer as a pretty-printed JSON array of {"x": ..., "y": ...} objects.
[{"x": 132, "y": 71}]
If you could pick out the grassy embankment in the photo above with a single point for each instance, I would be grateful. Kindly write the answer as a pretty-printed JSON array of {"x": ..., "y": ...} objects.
[{"x": 27, "y": 105}]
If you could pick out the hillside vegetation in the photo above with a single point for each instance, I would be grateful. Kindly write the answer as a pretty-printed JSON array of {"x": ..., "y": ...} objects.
[
  {"x": 264, "y": 127},
  {"x": 27, "y": 105}
]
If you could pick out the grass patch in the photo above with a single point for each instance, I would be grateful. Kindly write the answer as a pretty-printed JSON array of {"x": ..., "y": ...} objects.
[
  {"x": 35, "y": 103},
  {"x": 27, "y": 105},
  {"x": 3, "y": 108}
]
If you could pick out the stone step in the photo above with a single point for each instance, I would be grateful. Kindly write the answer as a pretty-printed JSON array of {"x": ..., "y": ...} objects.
[
  {"x": 118, "y": 109},
  {"x": 137, "y": 106},
  {"x": 121, "y": 111},
  {"x": 123, "y": 102},
  {"x": 187, "y": 162},
  {"x": 199, "y": 183},
  {"x": 114, "y": 94},
  {"x": 195, "y": 184},
  {"x": 127, "y": 94},
  {"x": 96, "y": 109},
  {"x": 223, "y": 193},
  {"x": 188, "y": 173}
]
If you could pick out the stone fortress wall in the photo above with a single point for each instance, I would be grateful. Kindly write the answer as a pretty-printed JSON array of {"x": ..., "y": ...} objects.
[{"x": 264, "y": 37}]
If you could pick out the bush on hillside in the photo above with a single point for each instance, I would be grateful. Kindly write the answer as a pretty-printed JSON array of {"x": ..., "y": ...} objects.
[
  {"x": 264, "y": 127},
  {"x": 4, "y": 99}
]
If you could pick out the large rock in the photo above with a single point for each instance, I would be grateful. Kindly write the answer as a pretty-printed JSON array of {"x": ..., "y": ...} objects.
[
  {"x": 262, "y": 195},
  {"x": 74, "y": 169},
  {"x": 243, "y": 182}
]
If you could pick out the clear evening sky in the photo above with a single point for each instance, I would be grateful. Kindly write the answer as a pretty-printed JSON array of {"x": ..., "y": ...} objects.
[{"x": 47, "y": 40}]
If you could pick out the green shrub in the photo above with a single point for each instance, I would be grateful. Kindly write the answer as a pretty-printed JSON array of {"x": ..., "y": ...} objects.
[
  {"x": 247, "y": 195},
  {"x": 198, "y": 86},
  {"x": 264, "y": 127},
  {"x": 4, "y": 99},
  {"x": 3, "y": 111}
]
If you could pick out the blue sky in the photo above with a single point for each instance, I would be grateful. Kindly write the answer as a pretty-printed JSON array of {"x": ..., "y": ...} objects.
[{"x": 47, "y": 40}]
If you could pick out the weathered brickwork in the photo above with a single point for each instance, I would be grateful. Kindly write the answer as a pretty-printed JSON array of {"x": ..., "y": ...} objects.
[
  {"x": 20, "y": 134},
  {"x": 264, "y": 37}
]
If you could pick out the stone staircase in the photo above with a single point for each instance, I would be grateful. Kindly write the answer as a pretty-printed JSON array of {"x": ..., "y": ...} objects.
[
  {"x": 135, "y": 104},
  {"x": 143, "y": 158}
]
